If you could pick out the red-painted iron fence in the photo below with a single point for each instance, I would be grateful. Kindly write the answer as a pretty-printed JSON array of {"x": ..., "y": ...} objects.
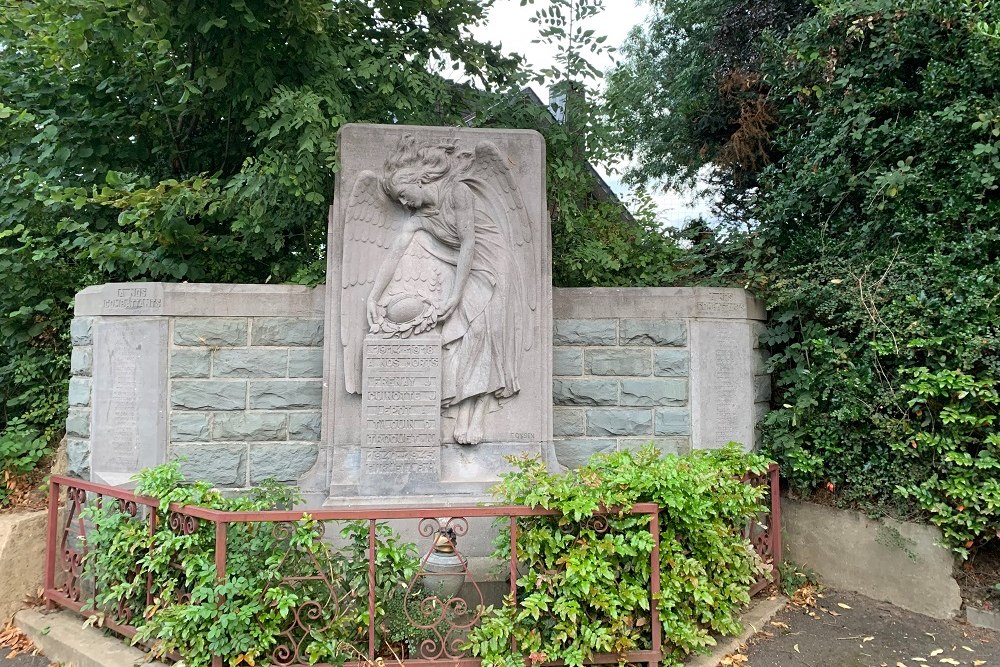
[{"x": 445, "y": 622}]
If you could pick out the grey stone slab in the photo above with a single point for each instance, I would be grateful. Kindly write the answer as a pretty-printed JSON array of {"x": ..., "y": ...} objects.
[
  {"x": 81, "y": 361},
  {"x": 250, "y": 363},
  {"x": 209, "y": 394},
  {"x": 284, "y": 462},
  {"x": 79, "y": 391},
  {"x": 585, "y": 392},
  {"x": 305, "y": 426},
  {"x": 418, "y": 277},
  {"x": 202, "y": 300},
  {"x": 137, "y": 299},
  {"x": 619, "y": 421},
  {"x": 760, "y": 357},
  {"x": 661, "y": 391},
  {"x": 670, "y": 363},
  {"x": 129, "y": 422},
  {"x": 567, "y": 361},
  {"x": 656, "y": 302},
  {"x": 285, "y": 394},
  {"x": 78, "y": 458},
  {"x": 306, "y": 363},
  {"x": 220, "y": 464},
  {"x": 982, "y": 618},
  {"x": 80, "y": 331},
  {"x": 585, "y": 332},
  {"x": 211, "y": 331},
  {"x": 672, "y": 421},
  {"x": 190, "y": 363},
  {"x": 671, "y": 445},
  {"x": 575, "y": 452},
  {"x": 78, "y": 423},
  {"x": 761, "y": 388},
  {"x": 618, "y": 361},
  {"x": 757, "y": 329},
  {"x": 189, "y": 427},
  {"x": 567, "y": 422},
  {"x": 287, "y": 331},
  {"x": 721, "y": 383},
  {"x": 250, "y": 426},
  {"x": 650, "y": 332},
  {"x": 899, "y": 562}
]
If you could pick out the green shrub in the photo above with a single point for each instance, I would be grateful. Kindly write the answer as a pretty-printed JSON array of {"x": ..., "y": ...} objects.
[
  {"x": 950, "y": 432},
  {"x": 584, "y": 590},
  {"x": 249, "y": 615}
]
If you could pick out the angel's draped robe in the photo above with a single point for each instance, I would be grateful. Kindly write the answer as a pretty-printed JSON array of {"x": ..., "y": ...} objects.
[{"x": 483, "y": 336}]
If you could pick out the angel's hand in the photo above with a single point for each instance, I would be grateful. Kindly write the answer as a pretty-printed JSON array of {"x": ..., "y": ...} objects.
[
  {"x": 372, "y": 312},
  {"x": 445, "y": 311}
]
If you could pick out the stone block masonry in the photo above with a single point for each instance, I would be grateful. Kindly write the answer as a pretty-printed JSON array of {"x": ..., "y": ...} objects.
[
  {"x": 678, "y": 367},
  {"x": 243, "y": 388},
  {"x": 237, "y": 390}
]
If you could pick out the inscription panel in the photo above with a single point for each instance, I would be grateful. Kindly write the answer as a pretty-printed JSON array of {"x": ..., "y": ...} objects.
[
  {"x": 721, "y": 384},
  {"x": 131, "y": 299},
  {"x": 128, "y": 431},
  {"x": 721, "y": 303},
  {"x": 401, "y": 406}
]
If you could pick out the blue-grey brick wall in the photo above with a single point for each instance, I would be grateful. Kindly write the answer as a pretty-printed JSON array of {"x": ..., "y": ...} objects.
[
  {"x": 80, "y": 383},
  {"x": 619, "y": 383},
  {"x": 245, "y": 397}
]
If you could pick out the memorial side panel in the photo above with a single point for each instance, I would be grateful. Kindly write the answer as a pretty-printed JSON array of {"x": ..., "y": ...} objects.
[
  {"x": 721, "y": 383},
  {"x": 129, "y": 394}
]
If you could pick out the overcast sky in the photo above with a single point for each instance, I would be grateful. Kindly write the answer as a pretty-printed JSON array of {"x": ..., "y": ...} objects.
[{"x": 509, "y": 23}]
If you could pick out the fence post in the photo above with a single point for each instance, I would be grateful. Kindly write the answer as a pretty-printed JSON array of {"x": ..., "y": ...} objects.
[
  {"x": 654, "y": 580},
  {"x": 50, "y": 544},
  {"x": 220, "y": 569},
  {"x": 775, "y": 521}
]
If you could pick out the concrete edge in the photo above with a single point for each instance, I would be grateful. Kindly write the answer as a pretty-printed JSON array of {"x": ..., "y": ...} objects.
[
  {"x": 982, "y": 618},
  {"x": 753, "y": 619},
  {"x": 63, "y": 638}
]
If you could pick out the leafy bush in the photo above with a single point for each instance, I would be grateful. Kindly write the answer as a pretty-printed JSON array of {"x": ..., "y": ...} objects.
[
  {"x": 878, "y": 252},
  {"x": 950, "y": 431},
  {"x": 585, "y": 590},
  {"x": 251, "y": 614}
]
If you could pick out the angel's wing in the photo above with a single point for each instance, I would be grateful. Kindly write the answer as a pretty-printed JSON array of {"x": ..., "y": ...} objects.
[
  {"x": 490, "y": 166},
  {"x": 370, "y": 223}
]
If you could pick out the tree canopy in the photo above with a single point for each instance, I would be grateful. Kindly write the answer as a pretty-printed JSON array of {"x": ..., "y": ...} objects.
[{"x": 188, "y": 140}]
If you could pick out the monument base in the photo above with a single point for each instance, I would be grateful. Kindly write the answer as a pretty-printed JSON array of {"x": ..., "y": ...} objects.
[{"x": 467, "y": 474}]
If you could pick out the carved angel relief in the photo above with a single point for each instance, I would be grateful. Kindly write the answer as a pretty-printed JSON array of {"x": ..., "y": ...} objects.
[{"x": 441, "y": 242}]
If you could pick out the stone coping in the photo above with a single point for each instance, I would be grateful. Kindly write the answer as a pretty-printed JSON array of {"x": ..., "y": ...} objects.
[
  {"x": 227, "y": 300},
  {"x": 201, "y": 300},
  {"x": 656, "y": 303}
]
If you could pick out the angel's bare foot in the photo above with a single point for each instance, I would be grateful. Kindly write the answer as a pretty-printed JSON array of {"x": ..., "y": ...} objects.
[
  {"x": 477, "y": 426},
  {"x": 462, "y": 422}
]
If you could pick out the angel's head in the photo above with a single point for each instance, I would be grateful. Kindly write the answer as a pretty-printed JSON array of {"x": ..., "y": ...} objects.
[{"x": 413, "y": 168}]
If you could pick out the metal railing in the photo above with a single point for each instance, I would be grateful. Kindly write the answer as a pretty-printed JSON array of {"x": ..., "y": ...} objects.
[{"x": 66, "y": 585}]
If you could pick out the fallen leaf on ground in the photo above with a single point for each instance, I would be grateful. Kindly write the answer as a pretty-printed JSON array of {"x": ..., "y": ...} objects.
[
  {"x": 15, "y": 640},
  {"x": 796, "y": 647},
  {"x": 900, "y": 664},
  {"x": 968, "y": 649},
  {"x": 779, "y": 624},
  {"x": 866, "y": 639},
  {"x": 978, "y": 663},
  {"x": 843, "y": 606},
  {"x": 734, "y": 660},
  {"x": 949, "y": 661},
  {"x": 937, "y": 651}
]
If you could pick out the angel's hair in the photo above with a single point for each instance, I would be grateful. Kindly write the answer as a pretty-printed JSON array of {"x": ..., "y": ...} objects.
[{"x": 415, "y": 163}]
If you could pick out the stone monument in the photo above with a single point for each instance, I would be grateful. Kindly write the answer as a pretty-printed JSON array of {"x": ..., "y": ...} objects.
[{"x": 438, "y": 346}]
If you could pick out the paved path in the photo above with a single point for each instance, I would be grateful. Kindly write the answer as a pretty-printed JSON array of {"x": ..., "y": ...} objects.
[{"x": 850, "y": 630}]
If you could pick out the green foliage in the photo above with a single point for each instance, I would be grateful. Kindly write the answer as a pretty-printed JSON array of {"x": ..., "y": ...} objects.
[
  {"x": 689, "y": 101},
  {"x": 594, "y": 240},
  {"x": 877, "y": 251},
  {"x": 246, "y": 616},
  {"x": 584, "y": 590},
  {"x": 950, "y": 431},
  {"x": 793, "y": 577},
  {"x": 162, "y": 140}
]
